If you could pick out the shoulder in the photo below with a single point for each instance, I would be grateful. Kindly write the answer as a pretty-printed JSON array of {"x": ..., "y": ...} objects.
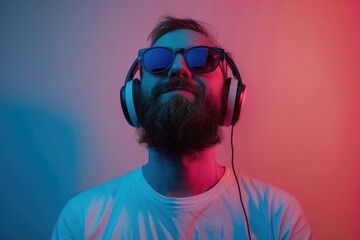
[
  {"x": 262, "y": 191},
  {"x": 268, "y": 203},
  {"x": 91, "y": 203},
  {"x": 109, "y": 189}
]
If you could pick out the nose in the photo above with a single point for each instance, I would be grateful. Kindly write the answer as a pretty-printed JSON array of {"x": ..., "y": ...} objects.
[{"x": 179, "y": 68}]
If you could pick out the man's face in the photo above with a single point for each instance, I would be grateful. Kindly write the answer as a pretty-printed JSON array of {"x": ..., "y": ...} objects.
[
  {"x": 210, "y": 83},
  {"x": 180, "y": 110}
]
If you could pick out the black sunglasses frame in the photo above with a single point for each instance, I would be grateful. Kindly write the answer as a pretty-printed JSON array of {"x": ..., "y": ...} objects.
[{"x": 184, "y": 52}]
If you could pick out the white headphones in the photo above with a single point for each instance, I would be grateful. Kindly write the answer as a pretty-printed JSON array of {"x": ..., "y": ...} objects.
[{"x": 236, "y": 95}]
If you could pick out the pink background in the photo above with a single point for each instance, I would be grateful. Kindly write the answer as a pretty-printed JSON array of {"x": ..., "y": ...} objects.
[{"x": 62, "y": 129}]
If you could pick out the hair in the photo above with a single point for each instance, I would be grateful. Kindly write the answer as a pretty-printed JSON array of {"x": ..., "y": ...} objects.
[{"x": 169, "y": 24}]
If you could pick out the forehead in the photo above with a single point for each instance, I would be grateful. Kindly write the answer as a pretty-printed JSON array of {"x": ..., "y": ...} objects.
[{"x": 183, "y": 38}]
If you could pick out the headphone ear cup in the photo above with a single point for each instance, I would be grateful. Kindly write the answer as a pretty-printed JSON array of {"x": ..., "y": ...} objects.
[
  {"x": 234, "y": 101},
  {"x": 230, "y": 106},
  {"x": 128, "y": 101},
  {"x": 240, "y": 97}
]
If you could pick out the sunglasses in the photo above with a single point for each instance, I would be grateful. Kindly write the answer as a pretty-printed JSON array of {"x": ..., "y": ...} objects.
[{"x": 201, "y": 59}]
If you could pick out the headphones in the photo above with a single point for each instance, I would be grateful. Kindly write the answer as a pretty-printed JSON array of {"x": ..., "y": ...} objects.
[{"x": 236, "y": 95}]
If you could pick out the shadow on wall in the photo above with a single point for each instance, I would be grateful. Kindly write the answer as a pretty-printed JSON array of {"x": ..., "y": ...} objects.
[{"x": 37, "y": 148}]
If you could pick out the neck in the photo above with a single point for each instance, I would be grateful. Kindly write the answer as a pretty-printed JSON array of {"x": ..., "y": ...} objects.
[{"x": 182, "y": 175}]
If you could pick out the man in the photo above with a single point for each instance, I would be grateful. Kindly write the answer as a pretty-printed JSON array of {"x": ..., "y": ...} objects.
[{"x": 182, "y": 192}]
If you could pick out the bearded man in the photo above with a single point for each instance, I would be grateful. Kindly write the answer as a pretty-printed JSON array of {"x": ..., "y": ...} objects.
[{"x": 182, "y": 98}]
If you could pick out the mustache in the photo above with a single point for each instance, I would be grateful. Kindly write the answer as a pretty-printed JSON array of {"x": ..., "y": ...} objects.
[{"x": 176, "y": 84}]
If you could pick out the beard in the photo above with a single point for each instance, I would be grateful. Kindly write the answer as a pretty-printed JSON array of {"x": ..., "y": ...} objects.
[{"x": 180, "y": 124}]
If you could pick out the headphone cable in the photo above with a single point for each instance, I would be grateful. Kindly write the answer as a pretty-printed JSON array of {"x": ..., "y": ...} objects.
[{"x": 237, "y": 181}]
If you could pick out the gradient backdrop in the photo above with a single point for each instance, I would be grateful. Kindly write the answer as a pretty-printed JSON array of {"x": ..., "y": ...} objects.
[{"x": 62, "y": 64}]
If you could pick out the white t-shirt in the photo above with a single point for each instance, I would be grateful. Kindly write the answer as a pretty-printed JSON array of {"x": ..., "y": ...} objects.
[{"x": 129, "y": 208}]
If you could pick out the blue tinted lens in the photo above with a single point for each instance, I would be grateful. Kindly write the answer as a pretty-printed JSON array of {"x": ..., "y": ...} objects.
[
  {"x": 156, "y": 60},
  {"x": 202, "y": 59}
]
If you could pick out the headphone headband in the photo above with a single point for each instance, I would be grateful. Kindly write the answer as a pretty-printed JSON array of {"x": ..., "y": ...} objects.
[{"x": 132, "y": 71}]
